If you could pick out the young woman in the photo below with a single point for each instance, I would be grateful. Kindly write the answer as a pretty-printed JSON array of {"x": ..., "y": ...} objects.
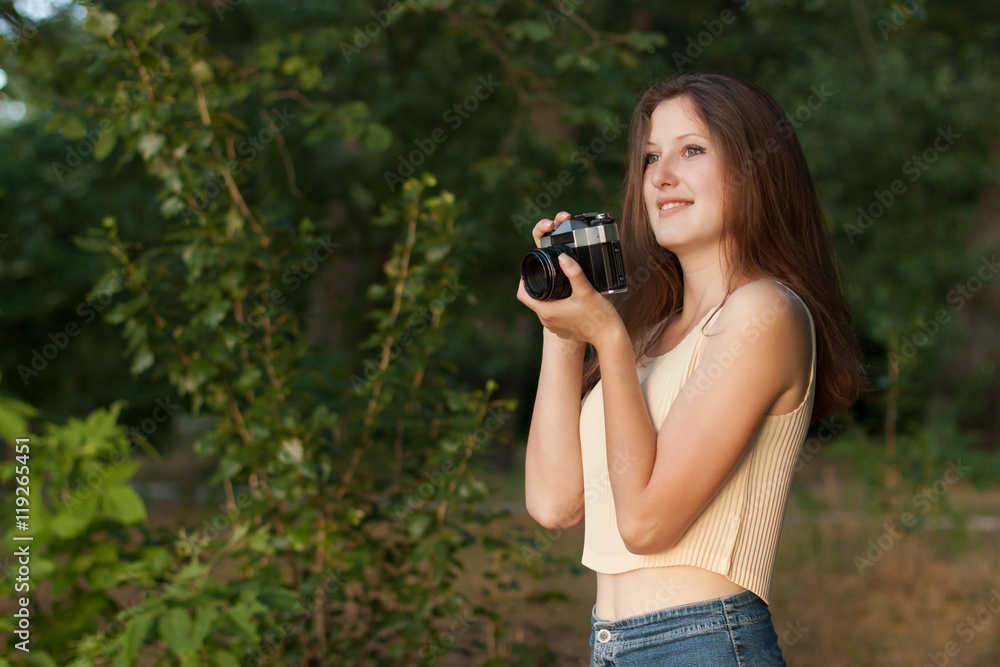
[{"x": 733, "y": 336}]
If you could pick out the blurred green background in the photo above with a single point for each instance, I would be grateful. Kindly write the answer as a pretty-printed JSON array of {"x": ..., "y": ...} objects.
[{"x": 243, "y": 233}]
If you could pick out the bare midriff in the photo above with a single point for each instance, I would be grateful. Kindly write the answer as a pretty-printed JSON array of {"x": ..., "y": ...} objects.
[{"x": 653, "y": 588}]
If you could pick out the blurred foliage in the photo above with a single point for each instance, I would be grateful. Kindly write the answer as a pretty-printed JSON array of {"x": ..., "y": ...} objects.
[
  {"x": 196, "y": 184},
  {"x": 378, "y": 96}
]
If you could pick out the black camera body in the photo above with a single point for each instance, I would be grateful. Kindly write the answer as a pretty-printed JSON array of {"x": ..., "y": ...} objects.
[{"x": 592, "y": 240}]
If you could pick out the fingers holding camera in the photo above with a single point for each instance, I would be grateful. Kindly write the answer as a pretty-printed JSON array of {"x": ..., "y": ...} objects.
[
  {"x": 541, "y": 229},
  {"x": 545, "y": 226},
  {"x": 584, "y": 316},
  {"x": 522, "y": 294},
  {"x": 539, "y": 308}
]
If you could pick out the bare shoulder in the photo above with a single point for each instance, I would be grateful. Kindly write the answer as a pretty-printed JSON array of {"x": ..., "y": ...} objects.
[
  {"x": 768, "y": 321},
  {"x": 765, "y": 310}
]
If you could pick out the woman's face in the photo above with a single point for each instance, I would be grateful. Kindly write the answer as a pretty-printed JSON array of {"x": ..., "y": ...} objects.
[{"x": 683, "y": 181}]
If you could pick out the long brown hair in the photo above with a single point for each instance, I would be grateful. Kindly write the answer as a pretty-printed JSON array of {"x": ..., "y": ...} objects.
[{"x": 773, "y": 228}]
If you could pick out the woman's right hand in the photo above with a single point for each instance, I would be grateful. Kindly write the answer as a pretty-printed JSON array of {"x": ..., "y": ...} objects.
[
  {"x": 542, "y": 228},
  {"x": 563, "y": 346},
  {"x": 545, "y": 226},
  {"x": 553, "y": 464}
]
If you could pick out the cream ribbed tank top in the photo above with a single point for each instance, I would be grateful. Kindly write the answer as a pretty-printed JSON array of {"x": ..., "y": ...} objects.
[{"x": 736, "y": 535}]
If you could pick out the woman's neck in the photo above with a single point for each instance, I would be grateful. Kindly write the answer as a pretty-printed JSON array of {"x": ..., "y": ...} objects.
[{"x": 704, "y": 287}]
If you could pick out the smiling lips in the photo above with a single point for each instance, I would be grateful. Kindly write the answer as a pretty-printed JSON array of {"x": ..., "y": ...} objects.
[{"x": 668, "y": 206}]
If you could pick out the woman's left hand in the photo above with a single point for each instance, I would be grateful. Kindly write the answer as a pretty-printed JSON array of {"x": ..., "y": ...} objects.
[{"x": 584, "y": 315}]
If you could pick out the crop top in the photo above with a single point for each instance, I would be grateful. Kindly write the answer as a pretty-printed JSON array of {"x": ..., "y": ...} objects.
[{"x": 736, "y": 535}]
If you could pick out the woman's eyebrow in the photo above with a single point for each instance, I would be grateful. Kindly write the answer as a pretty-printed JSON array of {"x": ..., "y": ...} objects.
[{"x": 689, "y": 134}]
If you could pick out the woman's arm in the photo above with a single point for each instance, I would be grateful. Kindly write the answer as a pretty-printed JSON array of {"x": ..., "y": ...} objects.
[
  {"x": 553, "y": 467},
  {"x": 672, "y": 476}
]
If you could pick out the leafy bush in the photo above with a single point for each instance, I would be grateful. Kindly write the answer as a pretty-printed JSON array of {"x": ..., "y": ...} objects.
[{"x": 348, "y": 501}]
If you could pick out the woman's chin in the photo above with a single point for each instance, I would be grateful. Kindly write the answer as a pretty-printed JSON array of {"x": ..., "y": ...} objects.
[{"x": 668, "y": 239}]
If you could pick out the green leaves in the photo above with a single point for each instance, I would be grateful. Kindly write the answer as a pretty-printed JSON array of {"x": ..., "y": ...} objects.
[
  {"x": 122, "y": 504},
  {"x": 418, "y": 524},
  {"x": 103, "y": 24},
  {"x": 73, "y": 128},
  {"x": 241, "y": 616},
  {"x": 175, "y": 628},
  {"x": 184, "y": 637},
  {"x": 213, "y": 313},
  {"x": 378, "y": 138},
  {"x": 14, "y": 416},
  {"x": 72, "y": 523},
  {"x": 39, "y": 659},
  {"x": 141, "y": 360},
  {"x": 533, "y": 30},
  {"x": 233, "y": 152},
  {"x": 646, "y": 41},
  {"x": 135, "y": 635},
  {"x": 202, "y": 71},
  {"x": 332, "y": 382},
  {"x": 276, "y": 597},
  {"x": 105, "y": 144},
  {"x": 150, "y": 145}
]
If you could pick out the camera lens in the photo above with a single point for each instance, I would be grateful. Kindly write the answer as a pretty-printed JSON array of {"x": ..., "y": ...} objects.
[{"x": 543, "y": 279}]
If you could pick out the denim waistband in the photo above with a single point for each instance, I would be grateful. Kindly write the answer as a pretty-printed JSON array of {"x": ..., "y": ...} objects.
[{"x": 742, "y": 607}]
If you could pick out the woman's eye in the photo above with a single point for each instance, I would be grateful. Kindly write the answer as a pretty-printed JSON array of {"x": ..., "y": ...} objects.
[
  {"x": 692, "y": 150},
  {"x": 651, "y": 158}
]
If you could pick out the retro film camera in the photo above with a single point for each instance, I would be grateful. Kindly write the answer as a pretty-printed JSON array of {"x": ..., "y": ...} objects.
[{"x": 592, "y": 240}]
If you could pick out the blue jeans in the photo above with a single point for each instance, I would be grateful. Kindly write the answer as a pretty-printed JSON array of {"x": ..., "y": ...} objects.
[{"x": 732, "y": 630}]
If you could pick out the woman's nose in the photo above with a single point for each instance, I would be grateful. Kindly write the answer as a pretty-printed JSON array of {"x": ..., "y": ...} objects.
[{"x": 663, "y": 173}]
